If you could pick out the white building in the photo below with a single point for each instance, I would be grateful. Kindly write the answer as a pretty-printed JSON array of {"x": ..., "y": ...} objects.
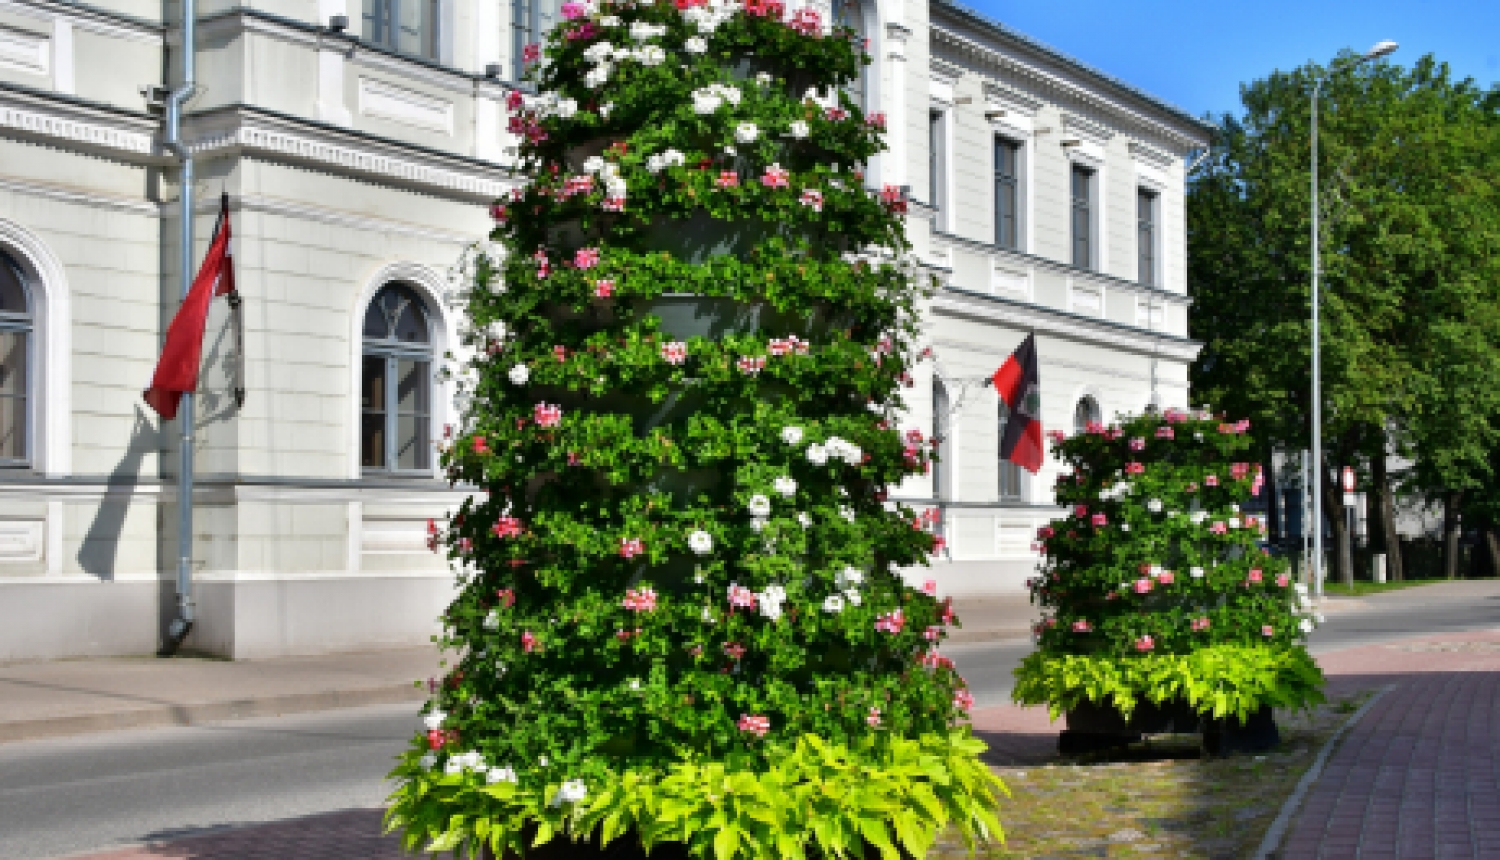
[{"x": 357, "y": 163}]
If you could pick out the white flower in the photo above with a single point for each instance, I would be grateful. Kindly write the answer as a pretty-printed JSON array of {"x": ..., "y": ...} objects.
[
  {"x": 1154, "y": 506},
  {"x": 635, "y": 683},
  {"x": 817, "y": 454},
  {"x": 655, "y": 163},
  {"x": 759, "y": 506},
  {"x": 566, "y": 108},
  {"x": 730, "y": 94},
  {"x": 764, "y": 79},
  {"x": 1318, "y": 617},
  {"x": 1305, "y": 625},
  {"x": 609, "y": 21},
  {"x": 770, "y": 601},
  {"x": 598, "y": 52},
  {"x": 758, "y": 524},
  {"x": 708, "y": 617},
  {"x": 651, "y": 55},
  {"x": 729, "y": 150},
  {"x": 1234, "y": 522},
  {"x": 542, "y": 761},
  {"x": 427, "y": 762},
  {"x": 833, "y": 603},
  {"x": 597, "y": 76},
  {"x": 1124, "y": 527},
  {"x": 434, "y": 720},
  {"x": 1197, "y": 572},
  {"x": 500, "y": 670},
  {"x": 593, "y": 164},
  {"x": 791, "y": 435},
  {"x": 804, "y": 519},
  {"x": 785, "y": 486},
  {"x": 1198, "y": 517},
  {"x": 500, "y": 774},
  {"x": 853, "y": 597},
  {"x": 606, "y": 108},
  {"x": 849, "y": 577},
  {"x": 846, "y": 512},
  {"x": 571, "y": 791},
  {"x": 799, "y": 129},
  {"x": 705, "y": 103},
  {"x": 455, "y": 765},
  {"x": 746, "y": 132},
  {"x": 492, "y": 621},
  {"x": 696, "y": 45},
  {"x": 673, "y": 158},
  {"x": 1300, "y": 588},
  {"x": 701, "y": 542},
  {"x": 519, "y": 374}
]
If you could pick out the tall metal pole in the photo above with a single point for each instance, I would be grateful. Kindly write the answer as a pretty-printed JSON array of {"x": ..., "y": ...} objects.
[
  {"x": 1317, "y": 376},
  {"x": 183, "y": 623}
]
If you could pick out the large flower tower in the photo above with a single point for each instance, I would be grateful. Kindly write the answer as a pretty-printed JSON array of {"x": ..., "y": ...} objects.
[
  {"x": 1161, "y": 612},
  {"x": 680, "y": 621}
]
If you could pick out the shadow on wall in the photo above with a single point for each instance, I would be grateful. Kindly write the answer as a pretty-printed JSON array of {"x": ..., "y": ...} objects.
[{"x": 101, "y": 544}]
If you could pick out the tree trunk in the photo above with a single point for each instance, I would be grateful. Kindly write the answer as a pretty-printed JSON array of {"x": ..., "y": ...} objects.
[
  {"x": 1386, "y": 504},
  {"x": 1333, "y": 510},
  {"x": 1492, "y": 541},
  {"x": 1452, "y": 514}
]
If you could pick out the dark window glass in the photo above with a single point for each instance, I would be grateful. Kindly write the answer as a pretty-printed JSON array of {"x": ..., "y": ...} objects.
[
  {"x": 530, "y": 21},
  {"x": 1146, "y": 235},
  {"x": 1010, "y": 473},
  {"x": 407, "y": 26},
  {"x": 849, "y": 13},
  {"x": 15, "y": 363},
  {"x": 1007, "y": 193},
  {"x": 1083, "y": 219},
  {"x": 1086, "y": 412},
  {"x": 940, "y": 422},
  {"x": 935, "y": 159},
  {"x": 396, "y": 383}
]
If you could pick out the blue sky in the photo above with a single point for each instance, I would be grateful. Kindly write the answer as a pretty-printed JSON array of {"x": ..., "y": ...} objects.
[{"x": 1196, "y": 54}]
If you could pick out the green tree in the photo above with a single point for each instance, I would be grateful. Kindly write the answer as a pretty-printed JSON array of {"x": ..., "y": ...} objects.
[
  {"x": 680, "y": 615},
  {"x": 1411, "y": 339}
]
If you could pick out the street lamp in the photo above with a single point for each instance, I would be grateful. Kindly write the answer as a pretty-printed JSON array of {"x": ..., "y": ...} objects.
[{"x": 1380, "y": 50}]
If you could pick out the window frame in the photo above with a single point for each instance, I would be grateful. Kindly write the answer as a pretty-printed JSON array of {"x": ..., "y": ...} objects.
[
  {"x": 531, "y": 30},
  {"x": 937, "y": 161},
  {"x": 1095, "y": 413},
  {"x": 1148, "y": 236},
  {"x": 432, "y": 39},
  {"x": 1015, "y": 181},
  {"x": 1010, "y": 486},
  {"x": 1088, "y": 207},
  {"x": 392, "y": 352},
  {"x": 25, "y": 323},
  {"x": 942, "y": 431}
]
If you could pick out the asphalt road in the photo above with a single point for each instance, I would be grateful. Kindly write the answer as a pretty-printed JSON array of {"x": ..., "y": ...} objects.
[{"x": 74, "y": 795}]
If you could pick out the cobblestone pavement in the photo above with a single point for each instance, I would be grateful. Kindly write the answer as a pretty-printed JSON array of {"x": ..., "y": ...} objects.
[{"x": 1418, "y": 777}]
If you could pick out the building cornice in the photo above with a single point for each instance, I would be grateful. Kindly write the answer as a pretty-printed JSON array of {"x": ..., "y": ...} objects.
[
  {"x": 956, "y": 301},
  {"x": 36, "y": 114},
  {"x": 245, "y": 129},
  {"x": 997, "y": 253},
  {"x": 91, "y": 19},
  {"x": 1178, "y": 131}
]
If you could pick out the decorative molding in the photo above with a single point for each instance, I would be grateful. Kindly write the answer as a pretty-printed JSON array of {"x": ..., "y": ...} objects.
[
  {"x": 90, "y": 19},
  {"x": 25, "y": 51},
  {"x": 1016, "y": 259},
  {"x": 1085, "y": 298},
  {"x": 334, "y": 217},
  {"x": 74, "y": 122},
  {"x": 393, "y": 536},
  {"x": 239, "y": 129},
  {"x": 21, "y": 540},
  {"x": 1011, "y": 281},
  {"x": 1087, "y": 129},
  {"x": 1151, "y": 155},
  {"x": 384, "y": 100},
  {"x": 1022, "y": 316},
  {"x": 1000, "y": 96},
  {"x": 132, "y": 205}
]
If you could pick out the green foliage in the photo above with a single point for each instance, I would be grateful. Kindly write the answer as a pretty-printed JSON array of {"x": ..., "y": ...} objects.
[
  {"x": 814, "y": 799},
  {"x": 1154, "y": 586},
  {"x": 690, "y": 339}
]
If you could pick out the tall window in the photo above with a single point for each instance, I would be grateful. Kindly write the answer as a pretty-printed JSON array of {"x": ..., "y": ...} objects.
[
  {"x": 940, "y": 432},
  {"x": 1007, "y": 193},
  {"x": 407, "y": 26},
  {"x": 1145, "y": 214},
  {"x": 1083, "y": 217},
  {"x": 935, "y": 159},
  {"x": 15, "y": 367},
  {"x": 396, "y": 383},
  {"x": 849, "y": 13},
  {"x": 1010, "y": 473},
  {"x": 530, "y": 21},
  {"x": 1085, "y": 413}
]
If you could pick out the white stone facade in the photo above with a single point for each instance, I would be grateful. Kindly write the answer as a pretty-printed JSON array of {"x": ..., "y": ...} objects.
[{"x": 350, "y": 166}]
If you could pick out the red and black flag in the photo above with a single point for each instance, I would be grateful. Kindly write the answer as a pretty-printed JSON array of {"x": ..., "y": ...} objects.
[
  {"x": 177, "y": 370},
  {"x": 1020, "y": 387}
]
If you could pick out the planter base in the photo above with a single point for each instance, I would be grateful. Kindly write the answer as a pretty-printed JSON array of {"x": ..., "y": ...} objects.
[
  {"x": 1093, "y": 728},
  {"x": 626, "y": 847}
]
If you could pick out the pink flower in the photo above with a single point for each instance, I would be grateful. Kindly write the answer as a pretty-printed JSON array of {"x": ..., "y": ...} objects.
[
  {"x": 547, "y": 415},
  {"x": 586, "y": 30},
  {"x": 1045, "y": 532},
  {"x": 1267, "y": 631},
  {"x": 1135, "y": 469},
  {"x": 506, "y": 527},
  {"x": 1081, "y": 626},
  {"x": 1093, "y": 428},
  {"x": 631, "y": 547},
  {"x": 571, "y": 10},
  {"x": 1282, "y": 580},
  {"x": 728, "y": 179},
  {"x": 1099, "y": 520},
  {"x": 560, "y": 353},
  {"x": 514, "y": 101},
  {"x": 741, "y": 596},
  {"x": 891, "y": 622},
  {"x": 543, "y": 265},
  {"x": 1137, "y": 444},
  {"x": 531, "y": 53},
  {"x": 507, "y": 597},
  {"x": 1239, "y": 470},
  {"x": 938, "y": 543},
  {"x": 498, "y": 213},
  {"x": 1166, "y": 577},
  {"x": 875, "y": 120},
  {"x": 1081, "y": 511},
  {"x": 778, "y": 347},
  {"x": 1218, "y": 529},
  {"x": 1211, "y": 481},
  {"x": 643, "y": 600},
  {"x": 586, "y": 258},
  {"x": 734, "y": 650},
  {"x": 1145, "y": 643},
  {"x": 775, "y": 176},
  {"x": 807, "y": 22},
  {"x": 674, "y": 352},
  {"x": 932, "y": 633},
  {"x": 1164, "y": 433},
  {"x": 963, "y": 699},
  {"x": 528, "y": 642},
  {"x": 812, "y": 197},
  {"x": 613, "y": 204},
  {"x": 1056, "y": 435},
  {"x": 929, "y": 587},
  {"x": 874, "y": 717},
  {"x": 755, "y": 725},
  {"x": 1200, "y": 624},
  {"x": 1255, "y": 575},
  {"x": 836, "y": 114},
  {"x": 604, "y": 289},
  {"x": 1144, "y": 585},
  {"x": 751, "y": 364}
]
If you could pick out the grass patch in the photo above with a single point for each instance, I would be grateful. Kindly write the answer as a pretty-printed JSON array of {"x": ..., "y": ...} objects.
[
  {"x": 1160, "y": 799},
  {"x": 1361, "y": 588}
]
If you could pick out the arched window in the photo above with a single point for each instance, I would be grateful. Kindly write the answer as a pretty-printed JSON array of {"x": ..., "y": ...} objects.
[
  {"x": 1085, "y": 413},
  {"x": 396, "y": 383},
  {"x": 942, "y": 469},
  {"x": 850, "y": 13},
  {"x": 530, "y": 21},
  {"x": 1010, "y": 473},
  {"x": 15, "y": 364}
]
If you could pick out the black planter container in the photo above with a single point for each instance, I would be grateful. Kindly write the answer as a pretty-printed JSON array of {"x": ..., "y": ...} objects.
[
  {"x": 626, "y": 847},
  {"x": 1092, "y": 727}
]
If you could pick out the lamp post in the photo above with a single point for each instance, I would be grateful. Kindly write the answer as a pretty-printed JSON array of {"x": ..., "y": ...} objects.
[{"x": 1380, "y": 50}]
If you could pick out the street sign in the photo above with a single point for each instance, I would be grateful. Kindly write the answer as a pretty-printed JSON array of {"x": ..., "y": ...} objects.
[{"x": 1348, "y": 487}]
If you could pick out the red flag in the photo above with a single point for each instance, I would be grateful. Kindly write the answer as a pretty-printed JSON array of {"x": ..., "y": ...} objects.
[
  {"x": 177, "y": 370},
  {"x": 1019, "y": 386}
]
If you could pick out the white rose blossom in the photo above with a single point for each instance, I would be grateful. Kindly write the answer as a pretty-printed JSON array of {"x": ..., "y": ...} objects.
[
  {"x": 746, "y": 132},
  {"x": 696, "y": 45},
  {"x": 519, "y": 374},
  {"x": 791, "y": 435},
  {"x": 846, "y": 512},
  {"x": 1154, "y": 506},
  {"x": 571, "y": 791},
  {"x": 804, "y": 519},
  {"x": 609, "y": 21},
  {"x": 598, "y": 52},
  {"x": 758, "y": 523},
  {"x": 500, "y": 774},
  {"x": 764, "y": 79},
  {"x": 651, "y": 55},
  {"x": 833, "y": 604},
  {"x": 799, "y": 130},
  {"x": 1305, "y": 625},
  {"x": 853, "y": 597},
  {"x": 567, "y": 108},
  {"x": 427, "y": 762},
  {"x": 593, "y": 164},
  {"x": 759, "y": 506},
  {"x": 817, "y": 454},
  {"x": 701, "y": 542},
  {"x": 1197, "y": 572},
  {"x": 784, "y": 485},
  {"x": 434, "y": 720}
]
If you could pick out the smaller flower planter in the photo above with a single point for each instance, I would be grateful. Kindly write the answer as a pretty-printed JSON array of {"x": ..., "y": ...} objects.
[
  {"x": 1093, "y": 727},
  {"x": 628, "y": 847}
]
